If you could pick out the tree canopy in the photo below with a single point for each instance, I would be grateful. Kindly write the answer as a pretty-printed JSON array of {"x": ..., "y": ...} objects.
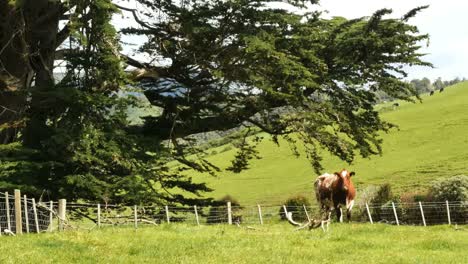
[{"x": 308, "y": 79}]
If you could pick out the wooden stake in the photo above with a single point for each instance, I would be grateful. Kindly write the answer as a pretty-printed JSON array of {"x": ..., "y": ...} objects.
[
  {"x": 26, "y": 217},
  {"x": 196, "y": 214},
  {"x": 260, "y": 214},
  {"x": 51, "y": 215},
  {"x": 448, "y": 212},
  {"x": 135, "y": 216},
  {"x": 369, "y": 214},
  {"x": 395, "y": 213},
  {"x": 62, "y": 213},
  {"x": 167, "y": 214},
  {"x": 307, "y": 213},
  {"x": 99, "y": 215},
  {"x": 18, "y": 216},
  {"x": 422, "y": 214},
  {"x": 229, "y": 213},
  {"x": 7, "y": 208},
  {"x": 36, "y": 221}
]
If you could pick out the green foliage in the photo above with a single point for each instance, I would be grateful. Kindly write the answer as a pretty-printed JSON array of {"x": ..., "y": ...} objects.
[
  {"x": 219, "y": 212},
  {"x": 295, "y": 205},
  {"x": 415, "y": 196},
  {"x": 382, "y": 195},
  {"x": 451, "y": 189},
  {"x": 246, "y": 151},
  {"x": 75, "y": 140},
  {"x": 261, "y": 59},
  {"x": 426, "y": 146},
  {"x": 422, "y": 86}
]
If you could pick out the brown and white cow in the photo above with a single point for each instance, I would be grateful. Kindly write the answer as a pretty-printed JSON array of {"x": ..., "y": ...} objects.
[{"x": 334, "y": 191}]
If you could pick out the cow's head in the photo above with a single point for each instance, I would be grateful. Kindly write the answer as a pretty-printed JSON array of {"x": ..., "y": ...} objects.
[{"x": 345, "y": 175}]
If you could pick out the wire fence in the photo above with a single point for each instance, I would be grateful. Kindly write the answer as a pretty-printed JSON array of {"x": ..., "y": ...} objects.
[
  {"x": 52, "y": 216},
  {"x": 32, "y": 218}
]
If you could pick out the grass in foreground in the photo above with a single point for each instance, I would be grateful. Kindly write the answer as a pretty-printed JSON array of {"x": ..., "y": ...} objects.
[{"x": 344, "y": 243}]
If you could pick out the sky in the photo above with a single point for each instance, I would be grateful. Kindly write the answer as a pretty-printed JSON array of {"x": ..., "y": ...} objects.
[{"x": 443, "y": 21}]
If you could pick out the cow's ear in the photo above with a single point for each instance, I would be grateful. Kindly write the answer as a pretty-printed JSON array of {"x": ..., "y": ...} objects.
[
  {"x": 351, "y": 174},
  {"x": 337, "y": 173}
]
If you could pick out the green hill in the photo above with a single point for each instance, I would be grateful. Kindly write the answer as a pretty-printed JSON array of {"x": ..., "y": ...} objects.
[{"x": 431, "y": 142}]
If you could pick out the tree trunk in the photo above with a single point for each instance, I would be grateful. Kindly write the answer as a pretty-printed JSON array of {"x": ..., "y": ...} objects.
[
  {"x": 15, "y": 70},
  {"x": 28, "y": 33},
  {"x": 41, "y": 18}
]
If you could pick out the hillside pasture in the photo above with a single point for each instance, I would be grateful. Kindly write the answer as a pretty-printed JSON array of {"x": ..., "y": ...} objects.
[
  {"x": 429, "y": 143},
  {"x": 344, "y": 243}
]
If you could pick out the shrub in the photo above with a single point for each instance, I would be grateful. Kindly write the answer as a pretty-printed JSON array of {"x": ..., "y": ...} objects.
[
  {"x": 451, "y": 189},
  {"x": 226, "y": 148},
  {"x": 414, "y": 197},
  {"x": 378, "y": 198},
  {"x": 383, "y": 195},
  {"x": 295, "y": 205},
  {"x": 218, "y": 212}
]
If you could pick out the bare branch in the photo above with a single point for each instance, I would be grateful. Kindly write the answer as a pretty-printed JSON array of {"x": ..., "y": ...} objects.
[
  {"x": 135, "y": 15},
  {"x": 63, "y": 34}
]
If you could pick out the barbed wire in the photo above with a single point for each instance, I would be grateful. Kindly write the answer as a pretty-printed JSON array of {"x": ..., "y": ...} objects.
[{"x": 44, "y": 216}]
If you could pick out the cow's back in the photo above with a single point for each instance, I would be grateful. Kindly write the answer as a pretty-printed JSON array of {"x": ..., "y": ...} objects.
[{"x": 323, "y": 186}]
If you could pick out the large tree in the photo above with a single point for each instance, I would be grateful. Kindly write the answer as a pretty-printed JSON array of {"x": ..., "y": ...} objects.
[
  {"x": 235, "y": 60},
  {"x": 301, "y": 77},
  {"x": 70, "y": 137}
]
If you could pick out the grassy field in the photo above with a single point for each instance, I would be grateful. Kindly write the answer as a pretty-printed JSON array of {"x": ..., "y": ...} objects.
[
  {"x": 344, "y": 243},
  {"x": 431, "y": 142}
]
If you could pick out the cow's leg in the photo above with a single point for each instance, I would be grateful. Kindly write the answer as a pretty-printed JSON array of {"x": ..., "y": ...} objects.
[
  {"x": 349, "y": 206},
  {"x": 339, "y": 215},
  {"x": 324, "y": 217},
  {"x": 328, "y": 217}
]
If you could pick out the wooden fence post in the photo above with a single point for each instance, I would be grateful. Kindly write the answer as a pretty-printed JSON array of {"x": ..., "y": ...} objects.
[
  {"x": 135, "y": 216},
  {"x": 62, "y": 213},
  {"x": 196, "y": 214},
  {"x": 229, "y": 213},
  {"x": 395, "y": 213},
  {"x": 422, "y": 213},
  {"x": 369, "y": 214},
  {"x": 18, "y": 216},
  {"x": 7, "y": 208},
  {"x": 307, "y": 213},
  {"x": 26, "y": 217},
  {"x": 168, "y": 219},
  {"x": 260, "y": 214},
  {"x": 99, "y": 215},
  {"x": 51, "y": 215},
  {"x": 36, "y": 221},
  {"x": 448, "y": 212}
]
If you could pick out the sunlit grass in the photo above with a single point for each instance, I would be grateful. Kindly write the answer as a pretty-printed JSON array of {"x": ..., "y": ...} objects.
[{"x": 180, "y": 243}]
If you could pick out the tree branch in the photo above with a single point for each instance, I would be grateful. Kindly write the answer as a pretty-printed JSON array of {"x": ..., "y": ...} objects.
[
  {"x": 66, "y": 30},
  {"x": 135, "y": 16},
  {"x": 63, "y": 34}
]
